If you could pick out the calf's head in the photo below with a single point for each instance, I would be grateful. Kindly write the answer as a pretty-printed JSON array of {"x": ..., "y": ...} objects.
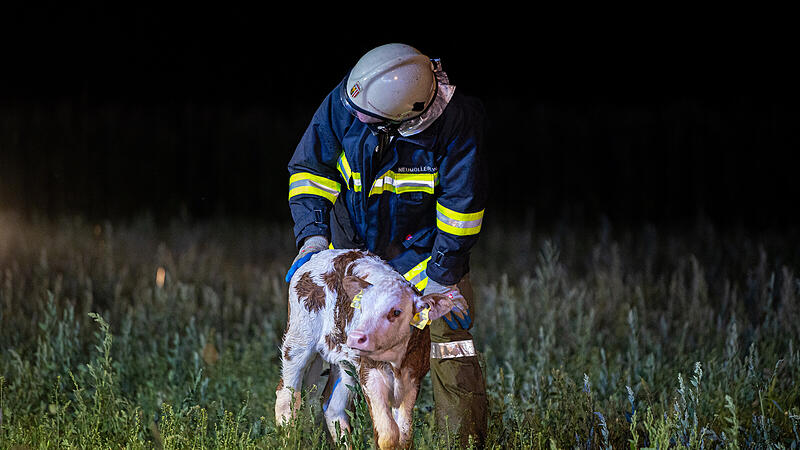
[{"x": 387, "y": 310}]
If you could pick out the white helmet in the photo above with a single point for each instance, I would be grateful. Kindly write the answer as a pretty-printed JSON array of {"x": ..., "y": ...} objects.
[{"x": 393, "y": 82}]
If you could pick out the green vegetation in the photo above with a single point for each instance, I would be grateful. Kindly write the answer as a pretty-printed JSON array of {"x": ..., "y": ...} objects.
[{"x": 133, "y": 335}]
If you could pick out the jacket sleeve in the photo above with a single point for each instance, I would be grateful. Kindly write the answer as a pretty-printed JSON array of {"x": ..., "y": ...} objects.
[
  {"x": 461, "y": 199},
  {"x": 314, "y": 182}
]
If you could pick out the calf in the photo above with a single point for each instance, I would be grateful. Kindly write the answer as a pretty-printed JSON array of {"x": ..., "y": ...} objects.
[{"x": 349, "y": 305}]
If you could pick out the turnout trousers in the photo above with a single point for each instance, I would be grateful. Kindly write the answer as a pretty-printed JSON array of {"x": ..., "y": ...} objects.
[{"x": 459, "y": 386}]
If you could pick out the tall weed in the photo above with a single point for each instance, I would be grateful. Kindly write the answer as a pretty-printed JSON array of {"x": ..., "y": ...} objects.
[{"x": 136, "y": 335}]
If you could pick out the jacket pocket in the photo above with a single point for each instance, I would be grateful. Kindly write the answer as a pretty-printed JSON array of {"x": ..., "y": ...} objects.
[
  {"x": 412, "y": 212},
  {"x": 422, "y": 238}
]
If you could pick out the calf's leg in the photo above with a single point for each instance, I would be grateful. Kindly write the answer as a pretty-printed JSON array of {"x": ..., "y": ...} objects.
[
  {"x": 404, "y": 415},
  {"x": 296, "y": 356},
  {"x": 377, "y": 389},
  {"x": 335, "y": 406}
]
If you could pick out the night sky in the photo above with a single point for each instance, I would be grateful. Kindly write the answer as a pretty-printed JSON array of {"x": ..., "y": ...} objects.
[{"x": 114, "y": 112}]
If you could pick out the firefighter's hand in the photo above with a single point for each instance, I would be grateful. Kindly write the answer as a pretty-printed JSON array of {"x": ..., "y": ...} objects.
[
  {"x": 312, "y": 245},
  {"x": 456, "y": 318}
]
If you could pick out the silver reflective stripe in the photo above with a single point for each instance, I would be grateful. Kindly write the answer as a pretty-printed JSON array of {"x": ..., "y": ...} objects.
[
  {"x": 456, "y": 349},
  {"x": 405, "y": 182},
  {"x": 313, "y": 184},
  {"x": 458, "y": 223},
  {"x": 411, "y": 183},
  {"x": 387, "y": 180}
]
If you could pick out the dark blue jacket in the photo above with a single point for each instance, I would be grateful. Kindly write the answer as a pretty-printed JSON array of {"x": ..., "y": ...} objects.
[{"x": 418, "y": 203}]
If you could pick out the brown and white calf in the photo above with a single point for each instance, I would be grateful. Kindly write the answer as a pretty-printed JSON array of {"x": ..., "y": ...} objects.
[{"x": 349, "y": 305}]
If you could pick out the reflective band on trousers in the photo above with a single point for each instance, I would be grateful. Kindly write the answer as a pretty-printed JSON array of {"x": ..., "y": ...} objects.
[{"x": 456, "y": 349}]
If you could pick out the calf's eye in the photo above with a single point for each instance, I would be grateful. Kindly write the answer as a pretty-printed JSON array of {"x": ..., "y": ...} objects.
[{"x": 393, "y": 315}]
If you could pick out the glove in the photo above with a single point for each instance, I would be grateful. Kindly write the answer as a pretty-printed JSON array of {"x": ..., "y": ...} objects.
[
  {"x": 456, "y": 318},
  {"x": 312, "y": 245}
]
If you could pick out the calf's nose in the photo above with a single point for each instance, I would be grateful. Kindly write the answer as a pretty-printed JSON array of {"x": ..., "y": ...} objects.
[{"x": 358, "y": 340}]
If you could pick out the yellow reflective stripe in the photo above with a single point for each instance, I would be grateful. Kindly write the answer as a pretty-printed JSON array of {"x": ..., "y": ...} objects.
[
  {"x": 399, "y": 183},
  {"x": 457, "y": 215},
  {"x": 307, "y": 183},
  {"x": 459, "y": 224},
  {"x": 344, "y": 168},
  {"x": 347, "y": 173},
  {"x": 313, "y": 191},
  {"x": 417, "y": 275},
  {"x": 330, "y": 184},
  {"x": 390, "y": 181}
]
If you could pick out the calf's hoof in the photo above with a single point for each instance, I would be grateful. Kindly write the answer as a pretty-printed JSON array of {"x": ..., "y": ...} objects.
[{"x": 285, "y": 408}]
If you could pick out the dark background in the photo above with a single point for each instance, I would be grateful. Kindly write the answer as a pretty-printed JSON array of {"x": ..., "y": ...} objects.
[{"x": 113, "y": 112}]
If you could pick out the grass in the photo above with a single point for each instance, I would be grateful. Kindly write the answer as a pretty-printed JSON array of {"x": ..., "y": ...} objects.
[{"x": 138, "y": 335}]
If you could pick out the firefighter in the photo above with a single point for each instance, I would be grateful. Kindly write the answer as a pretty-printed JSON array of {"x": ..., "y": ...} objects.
[{"x": 392, "y": 163}]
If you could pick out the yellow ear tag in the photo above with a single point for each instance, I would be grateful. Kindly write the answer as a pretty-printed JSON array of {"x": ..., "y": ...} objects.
[
  {"x": 357, "y": 300},
  {"x": 420, "y": 319}
]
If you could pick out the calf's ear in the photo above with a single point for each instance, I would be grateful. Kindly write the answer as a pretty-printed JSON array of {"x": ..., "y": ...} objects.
[
  {"x": 353, "y": 285},
  {"x": 441, "y": 303}
]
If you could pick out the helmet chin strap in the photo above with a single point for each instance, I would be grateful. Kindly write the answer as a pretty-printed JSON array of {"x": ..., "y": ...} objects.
[{"x": 385, "y": 131}]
